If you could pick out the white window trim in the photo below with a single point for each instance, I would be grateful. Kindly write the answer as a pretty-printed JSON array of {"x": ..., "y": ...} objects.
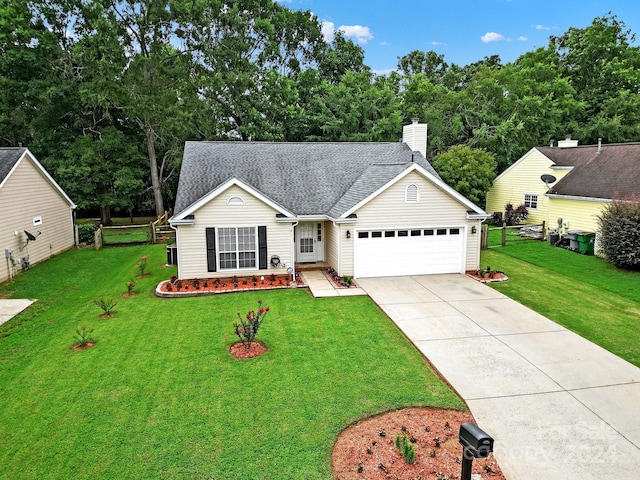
[
  {"x": 406, "y": 193},
  {"x": 531, "y": 200},
  {"x": 220, "y": 251}
]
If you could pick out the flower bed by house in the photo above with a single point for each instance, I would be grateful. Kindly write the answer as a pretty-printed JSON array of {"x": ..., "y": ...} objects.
[{"x": 208, "y": 286}]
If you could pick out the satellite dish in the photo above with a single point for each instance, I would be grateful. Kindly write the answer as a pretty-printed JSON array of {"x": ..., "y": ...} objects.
[
  {"x": 546, "y": 178},
  {"x": 30, "y": 237}
]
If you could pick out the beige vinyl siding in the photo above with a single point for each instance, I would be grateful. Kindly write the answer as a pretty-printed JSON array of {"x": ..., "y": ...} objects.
[
  {"x": 581, "y": 214},
  {"x": 26, "y": 194},
  {"x": 435, "y": 208},
  {"x": 524, "y": 178},
  {"x": 192, "y": 244},
  {"x": 332, "y": 245}
]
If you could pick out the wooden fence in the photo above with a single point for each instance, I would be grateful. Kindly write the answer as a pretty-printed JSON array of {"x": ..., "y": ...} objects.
[{"x": 511, "y": 233}]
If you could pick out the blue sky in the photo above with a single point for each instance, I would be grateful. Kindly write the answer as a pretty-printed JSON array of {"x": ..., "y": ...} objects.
[{"x": 464, "y": 31}]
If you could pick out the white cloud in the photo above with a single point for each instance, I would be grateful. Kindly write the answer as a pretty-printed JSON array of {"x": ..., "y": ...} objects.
[
  {"x": 492, "y": 37},
  {"x": 437, "y": 43},
  {"x": 541, "y": 27},
  {"x": 383, "y": 71},
  {"x": 522, "y": 38},
  {"x": 360, "y": 33},
  {"x": 328, "y": 29},
  {"x": 384, "y": 44}
]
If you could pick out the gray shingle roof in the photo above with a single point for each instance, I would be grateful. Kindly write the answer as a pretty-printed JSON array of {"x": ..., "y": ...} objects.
[
  {"x": 8, "y": 158},
  {"x": 304, "y": 178},
  {"x": 614, "y": 172}
]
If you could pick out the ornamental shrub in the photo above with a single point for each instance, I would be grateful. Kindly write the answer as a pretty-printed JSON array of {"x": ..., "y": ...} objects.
[
  {"x": 513, "y": 216},
  {"x": 86, "y": 233},
  {"x": 248, "y": 327},
  {"x": 619, "y": 225},
  {"x": 408, "y": 451}
]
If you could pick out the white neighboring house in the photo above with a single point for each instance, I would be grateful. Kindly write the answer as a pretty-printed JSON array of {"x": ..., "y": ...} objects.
[
  {"x": 366, "y": 209},
  {"x": 36, "y": 219}
]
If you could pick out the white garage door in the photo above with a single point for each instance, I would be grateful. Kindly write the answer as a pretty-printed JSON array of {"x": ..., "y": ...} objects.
[{"x": 384, "y": 253}]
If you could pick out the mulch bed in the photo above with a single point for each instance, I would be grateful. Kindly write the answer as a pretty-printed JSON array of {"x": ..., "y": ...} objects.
[
  {"x": 239, "y": 351},
  {"x": 204, "y": 286},
  {"x": 366, "y": 449},
  {"x": 494, "y": 276}
]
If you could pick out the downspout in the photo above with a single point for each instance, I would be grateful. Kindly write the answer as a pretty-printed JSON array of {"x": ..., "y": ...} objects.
[
  {"x": 177, "y": 250},
  {"x": 293, "y": 248}
]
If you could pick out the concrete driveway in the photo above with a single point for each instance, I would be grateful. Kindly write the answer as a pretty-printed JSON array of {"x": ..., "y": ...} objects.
[
  {"x": 557, "y": 405},
  {"x": 9, "y": 308}
]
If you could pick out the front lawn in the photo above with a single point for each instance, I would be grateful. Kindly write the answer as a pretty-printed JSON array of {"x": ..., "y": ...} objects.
[
  {"x": 159, "y": 396},
  {"x": 585, "y": 294}
]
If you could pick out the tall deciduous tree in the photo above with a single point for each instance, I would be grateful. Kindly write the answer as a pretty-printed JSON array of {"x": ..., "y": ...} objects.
[{"x": 469, "y": 171}]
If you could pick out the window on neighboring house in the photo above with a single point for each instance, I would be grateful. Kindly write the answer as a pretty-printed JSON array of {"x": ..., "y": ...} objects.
[
  {"x": 411, "y": 194},
  {"x": 237, "y": 247},
  {"x": 530, "y": 200}
]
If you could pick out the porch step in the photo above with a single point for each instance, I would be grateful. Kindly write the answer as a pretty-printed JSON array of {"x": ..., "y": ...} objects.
[{"x": 308, "y": 267}]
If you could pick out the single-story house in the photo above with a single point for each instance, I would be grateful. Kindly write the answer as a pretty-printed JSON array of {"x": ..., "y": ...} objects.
[
  {"x": 366, "y": 209},
  {"x": 36, "y": 221},
  {"x": 586, "y": 179}
]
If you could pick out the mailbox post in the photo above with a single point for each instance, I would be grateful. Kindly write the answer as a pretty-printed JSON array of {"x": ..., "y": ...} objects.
[{"x": 476, "y": 443}]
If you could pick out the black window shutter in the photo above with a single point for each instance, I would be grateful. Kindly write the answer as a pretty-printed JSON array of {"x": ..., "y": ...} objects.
[
  {"x": 211, "y": 249},
  {"x": 262, "y": 247}
]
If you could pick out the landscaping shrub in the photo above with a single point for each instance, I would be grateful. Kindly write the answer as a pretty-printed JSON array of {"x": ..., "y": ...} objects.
[
  {"x": 86, "y": 233},
  {"x": 248, "y": 327},
  {"x": 513, "y": 216},
  {"x": 620, "y": 232},
  {"x": 408, "y": 451}
]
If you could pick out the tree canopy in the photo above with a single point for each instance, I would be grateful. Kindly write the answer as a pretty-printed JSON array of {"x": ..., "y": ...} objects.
[{"x": 106, "y": 93}]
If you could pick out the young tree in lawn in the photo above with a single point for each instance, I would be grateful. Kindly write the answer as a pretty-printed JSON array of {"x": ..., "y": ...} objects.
[{"x": 469, "y": 171}]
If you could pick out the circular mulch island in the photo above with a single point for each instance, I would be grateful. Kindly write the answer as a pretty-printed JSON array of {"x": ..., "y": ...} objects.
[
  {"x": 367, "y": 448},
  {"x": 239, "y": 351},
  {"x": 83, "y": 347}
]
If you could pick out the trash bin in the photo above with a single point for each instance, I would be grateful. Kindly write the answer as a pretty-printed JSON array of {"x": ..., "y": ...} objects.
[
  {"x": 554, "y": 238},
  {"x": 172, "y": 255},
  {"x": 572, "y": 235},
  {"x": 585, "y": 242}
]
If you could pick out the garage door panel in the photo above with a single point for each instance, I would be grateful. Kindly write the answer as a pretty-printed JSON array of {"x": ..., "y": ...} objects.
[{"x": 409, "y": 255}]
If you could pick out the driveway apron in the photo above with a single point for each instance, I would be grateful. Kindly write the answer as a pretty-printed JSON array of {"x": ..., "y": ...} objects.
[{"x": 557, "y": 405}]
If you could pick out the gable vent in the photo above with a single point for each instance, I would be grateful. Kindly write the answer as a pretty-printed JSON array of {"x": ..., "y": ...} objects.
[
  {"x": 411, "y": 193},
  {"x": 235, "y": 200}
]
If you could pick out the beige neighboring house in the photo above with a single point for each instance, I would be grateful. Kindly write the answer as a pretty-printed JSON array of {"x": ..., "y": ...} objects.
[
  {"x": 366, "y": 209},
  {"x": 36, "y": 219},
  {"x": 586, "y": 179}
]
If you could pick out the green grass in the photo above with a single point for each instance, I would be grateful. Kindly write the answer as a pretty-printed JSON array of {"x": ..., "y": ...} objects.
[
  {"x": 126, "y": 235},
  {"x": 583, "y": 293},
  {"x": 160, "y": 397}
]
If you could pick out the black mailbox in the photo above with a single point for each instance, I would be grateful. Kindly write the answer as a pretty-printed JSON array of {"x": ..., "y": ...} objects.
[{"x": 475, "y": 440}]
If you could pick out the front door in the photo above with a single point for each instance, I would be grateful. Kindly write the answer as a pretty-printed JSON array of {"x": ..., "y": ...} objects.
[{"x": 305, "y": 242}]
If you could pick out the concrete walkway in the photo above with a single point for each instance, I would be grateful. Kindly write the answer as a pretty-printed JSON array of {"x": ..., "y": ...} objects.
[
  {"x": 9, "y": 308},
  {"x": 557, "y": 405},
  {"x": 321, "y": 287}
]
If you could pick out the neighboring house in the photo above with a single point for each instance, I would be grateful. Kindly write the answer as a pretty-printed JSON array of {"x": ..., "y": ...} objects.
[
  {"x": 366, "y": 209},
  {"x": 33, "y": 204},
  {"x": 587, "y": 178}
]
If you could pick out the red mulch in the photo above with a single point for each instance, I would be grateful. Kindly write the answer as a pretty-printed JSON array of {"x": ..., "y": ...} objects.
[
  {"x": 83, "y": 347},
  {"x": 241, "y": 352},
  {"x": 362, "y": 453},
  {"x": 107, "y": 315},
  {"x": 494, "y": 276},
  {"x": 222, "y": 285}
]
